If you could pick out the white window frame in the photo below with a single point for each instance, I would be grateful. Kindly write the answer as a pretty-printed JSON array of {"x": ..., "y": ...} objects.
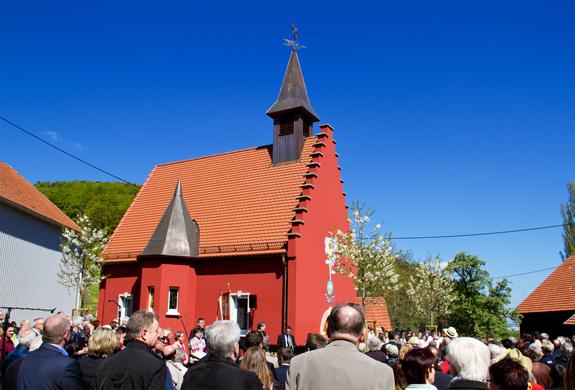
[
  {"x": 173, "y": 312},
  {"x": 125, "y": 310},
  {"x": 151, "y": 295},
  {"x": 234, "y": 311}
]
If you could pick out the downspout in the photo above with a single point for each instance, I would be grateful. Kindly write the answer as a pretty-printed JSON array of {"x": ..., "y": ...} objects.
[{"x": 284, "y": 261}]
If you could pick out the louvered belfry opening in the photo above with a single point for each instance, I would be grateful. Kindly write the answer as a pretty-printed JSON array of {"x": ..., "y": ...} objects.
[
  {"x": 286, "y": 124},
  {"x": 292, "y": 114},
  {"x": 307, "y": 127}
]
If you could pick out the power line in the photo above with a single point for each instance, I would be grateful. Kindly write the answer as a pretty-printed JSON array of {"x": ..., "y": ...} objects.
[
  {"x": 63, "y": 151},
  {"x": 395, "y": 238},
  {"x": 525, "y": 273},
  {"x": 479, "y": 234}
]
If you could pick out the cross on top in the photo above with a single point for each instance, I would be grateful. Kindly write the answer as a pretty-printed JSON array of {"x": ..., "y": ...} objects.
[{"x": 294, "y": 44}]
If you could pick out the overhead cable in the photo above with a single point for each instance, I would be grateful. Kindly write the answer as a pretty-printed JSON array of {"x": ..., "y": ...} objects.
[
  {"x": 524, "y": 273},
  {"x": 479, "y": 234},
  {"x": 63, "y": 151}
]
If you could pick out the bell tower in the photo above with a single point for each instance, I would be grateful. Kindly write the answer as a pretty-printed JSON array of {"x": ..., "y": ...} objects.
[{"x": 292, "y": 114}]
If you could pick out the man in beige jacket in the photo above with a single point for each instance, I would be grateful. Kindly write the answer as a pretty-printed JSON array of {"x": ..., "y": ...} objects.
[{"x": 340, "y": 365}]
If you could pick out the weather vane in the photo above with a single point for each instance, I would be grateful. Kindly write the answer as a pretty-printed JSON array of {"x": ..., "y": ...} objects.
[{"x": 295, "y": 44}]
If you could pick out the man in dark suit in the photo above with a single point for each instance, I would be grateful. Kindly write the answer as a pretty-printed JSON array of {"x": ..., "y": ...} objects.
[
  {"x": 136, "y": 366},
  {"x": 284, "y": 357},
  {"x": 50, "y": 367},
  {"x": 220, "y": 371},
  {"x": 286, "y": 339}
]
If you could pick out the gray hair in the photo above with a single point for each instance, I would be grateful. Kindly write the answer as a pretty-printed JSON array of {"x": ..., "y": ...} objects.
[
  {"x": 547, "y": 346},
  {"x": 535, "y": 351},
  {"x": 266, "y": 343},
  {"x": 142, "y": 319},
  {"x": 221, "y": 338},
  {"x": 88, "y": 317},
  {"x": 513, "y": 340},
  {"x": 77, "y": 321},
  {"x": 496, "y": 350},
  {"x": 469, "y": 358},
  {"x": 35, "y": 344},
  {"x": 566, "y": 348},
  {"x": 25, "y": 336},
  {"x": 180, "y": 356},
  {"x": 374, "y": 343}
]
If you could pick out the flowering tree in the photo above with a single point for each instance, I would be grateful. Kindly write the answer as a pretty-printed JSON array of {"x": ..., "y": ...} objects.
[
  {"x": 431, "y": 289},
  {"x": 366, "y": 257},
  {"x": 80, "y": 266}
]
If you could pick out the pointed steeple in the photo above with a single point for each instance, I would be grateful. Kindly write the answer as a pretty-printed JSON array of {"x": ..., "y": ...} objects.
[
  {"x": 292, "y": 114},
  {"x": 293, "y": 94},
  {"x": 177, "y": 234}
]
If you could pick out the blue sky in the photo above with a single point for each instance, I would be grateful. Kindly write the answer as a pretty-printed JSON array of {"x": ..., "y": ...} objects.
[{"x": 450, "y": 117}]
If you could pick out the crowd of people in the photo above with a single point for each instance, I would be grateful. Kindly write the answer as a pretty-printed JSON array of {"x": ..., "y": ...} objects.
[{"x": 81, "y": 353}]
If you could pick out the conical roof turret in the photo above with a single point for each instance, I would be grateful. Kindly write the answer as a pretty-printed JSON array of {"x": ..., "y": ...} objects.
[
  {"x": 177, "y": 234},
  {"x": 293, "y": 94}
]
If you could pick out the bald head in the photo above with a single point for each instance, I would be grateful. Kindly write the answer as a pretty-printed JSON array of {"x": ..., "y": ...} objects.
[
  {"x": 25, "y": 336},
  {"x": 55, "y": 330},
  {"x": 346, "y": 322},
  {"x": 169, "y": 352}
]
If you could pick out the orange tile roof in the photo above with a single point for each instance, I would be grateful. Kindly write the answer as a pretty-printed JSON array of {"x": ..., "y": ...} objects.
[
  {"x": 378, "y": 312},
  {"x": 16, "y": 190},
  {"x": 570, "y": 321},
  {"x": 556, "y": 293},
  {"x": 241, "y": 204}
]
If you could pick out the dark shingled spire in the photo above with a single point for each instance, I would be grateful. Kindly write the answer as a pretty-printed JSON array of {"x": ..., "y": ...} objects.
[
  {"x": 176, "y": 234},
  {"x": 293, "y": 95}
]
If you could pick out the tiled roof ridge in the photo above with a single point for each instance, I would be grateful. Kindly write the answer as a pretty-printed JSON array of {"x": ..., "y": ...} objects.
[
  {"x": 129, "y": 209},
  {"x": 552, "y": 281},
  {"x": 71, "y": 224},
  {"x": 221, "y": 154}
]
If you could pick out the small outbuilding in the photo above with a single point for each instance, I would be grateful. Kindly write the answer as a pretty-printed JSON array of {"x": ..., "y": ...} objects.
[
  {"x": 30, "y": 254},
  {"x": 551, "y": 307}
]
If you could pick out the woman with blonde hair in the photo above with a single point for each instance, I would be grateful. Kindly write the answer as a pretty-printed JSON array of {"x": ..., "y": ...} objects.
[
  {"x": 102, "y": 344},
  {"x": 254, "y": 360}
]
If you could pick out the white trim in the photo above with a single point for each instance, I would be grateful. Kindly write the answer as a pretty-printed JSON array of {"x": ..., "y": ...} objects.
[
  {"x": 173, "y": 312},
  {"x": 234, "y": 312}
]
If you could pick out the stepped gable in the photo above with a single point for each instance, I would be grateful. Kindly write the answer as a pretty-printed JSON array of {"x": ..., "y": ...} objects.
[
  {"x": 242, "y": 205},
  {"x": 378, "y": 312},
  {"x": 556, "y": 293},
  {"x": 19, "y": 193}
]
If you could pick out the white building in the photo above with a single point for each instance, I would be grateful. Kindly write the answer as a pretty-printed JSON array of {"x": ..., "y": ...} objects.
[{"x": 30, "y": 231}]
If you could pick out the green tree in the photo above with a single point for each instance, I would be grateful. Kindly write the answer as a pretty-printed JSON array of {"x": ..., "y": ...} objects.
[
  {"x": 103, "y": 202},
  {"x": 568, "y": 214},
  {"x": 479, "y": 306},
  {"x": 366, "y": 257},
  {"x": 431, "y": 289},
  {"x": 81, "y": 265},
  {"x": 400, "y": 305}
]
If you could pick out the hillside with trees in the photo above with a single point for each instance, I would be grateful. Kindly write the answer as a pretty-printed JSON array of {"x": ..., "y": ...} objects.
[{"x": 103, "y": 202}]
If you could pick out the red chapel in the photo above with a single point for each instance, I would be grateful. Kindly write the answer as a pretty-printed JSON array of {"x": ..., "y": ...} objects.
[{"x": 239, "y": 235}]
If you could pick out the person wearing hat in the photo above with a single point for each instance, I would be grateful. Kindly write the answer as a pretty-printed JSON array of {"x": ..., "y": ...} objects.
[
  {"x": 514, "y": 354},
  {"x": 451, "y": 332},
  {"x": 392, "y": 354}
]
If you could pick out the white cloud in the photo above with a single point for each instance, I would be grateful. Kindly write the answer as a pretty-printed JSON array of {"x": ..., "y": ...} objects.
[
  {"x": 77, "y": 145},
  {"x": 52, "y": 134}
]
